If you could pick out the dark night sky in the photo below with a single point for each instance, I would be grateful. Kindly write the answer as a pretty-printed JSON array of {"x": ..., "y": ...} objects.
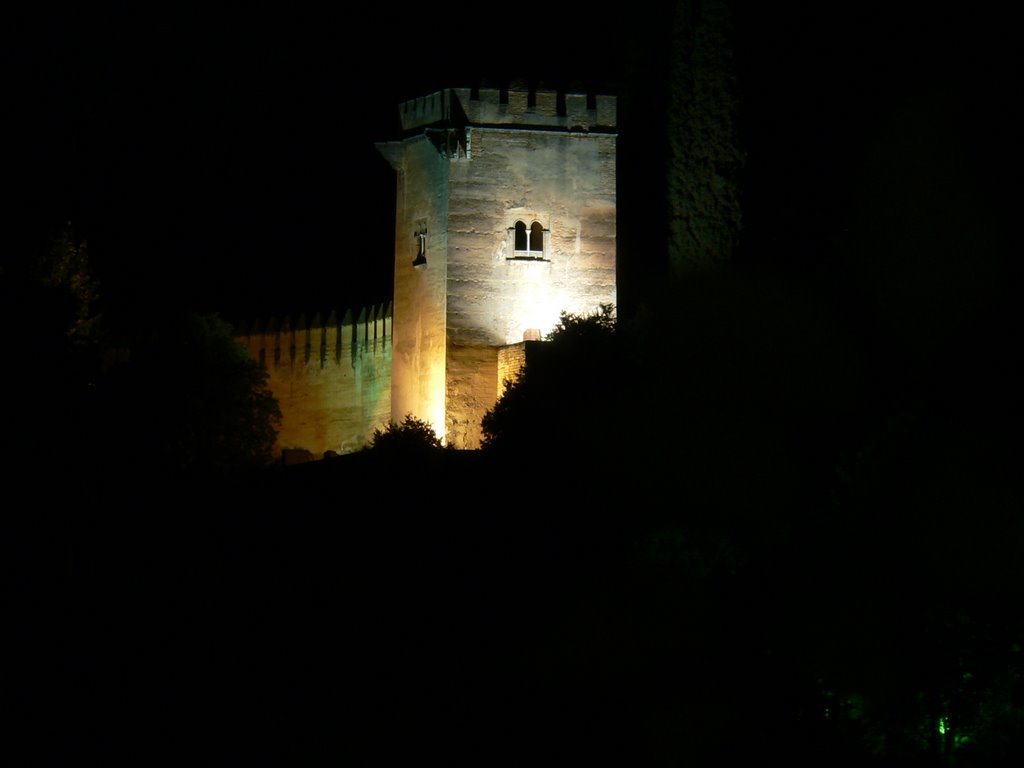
[{"x": 224, "y": 160}]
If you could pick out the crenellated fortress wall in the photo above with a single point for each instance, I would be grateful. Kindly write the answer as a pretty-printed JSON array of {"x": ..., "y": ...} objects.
[{"x": 331, "y": 377}]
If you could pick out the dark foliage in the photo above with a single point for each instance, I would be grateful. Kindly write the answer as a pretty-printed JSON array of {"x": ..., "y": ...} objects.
[
  {"x": 564, "y": 393},
  {"x": 66, "y": 272},
  {"x": 190, "y": 400},
  {"x": 49, "y": 302},
  {"x": 410, "y": 437},
  {"x": 791, "y": 527}
]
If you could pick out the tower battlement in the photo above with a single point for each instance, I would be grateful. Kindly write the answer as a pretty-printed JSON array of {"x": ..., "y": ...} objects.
[{"x": 547, "y": 109}]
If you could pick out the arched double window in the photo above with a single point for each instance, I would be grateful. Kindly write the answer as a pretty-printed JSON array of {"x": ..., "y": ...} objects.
[{"x": 530, "y": 240}]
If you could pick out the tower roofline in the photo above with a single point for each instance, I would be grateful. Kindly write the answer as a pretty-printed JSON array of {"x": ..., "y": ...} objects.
[{"x": 487, "y": 106}]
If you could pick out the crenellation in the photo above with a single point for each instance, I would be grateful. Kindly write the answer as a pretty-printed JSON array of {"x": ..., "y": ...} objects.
[
  {"x": 576, "y": 112},
  {"x": 486, "y": 108},
  {"x": 360, "y": 334},
  {"x": 541, "y": 108},
  {"x": 287, "y": 339},
  {"x": 347, "y": 333},
  {"x": 546, "y": 104},
  {"x": 517, "y": 103},
  {"x": 488, "y": 97},
  {"x": 288, "y": 329},
  {"x": 377, "y": 322},
  {"x": 319, "y": 337},
  {"x": 332, "y": 338},
  {"x": 607, "y": 111}
]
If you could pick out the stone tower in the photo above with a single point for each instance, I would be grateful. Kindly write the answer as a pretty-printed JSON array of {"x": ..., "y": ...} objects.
[{"x": 505, "y": 217}]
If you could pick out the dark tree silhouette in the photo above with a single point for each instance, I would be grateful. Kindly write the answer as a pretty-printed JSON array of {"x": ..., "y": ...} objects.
[
  {"x": 50, "y": 301},
  {"x": 190, "y": 399},
  {"x": 66, "y": 270},
  {"x": 411, "y": 436},
  {"x": 564, "y": 396}
]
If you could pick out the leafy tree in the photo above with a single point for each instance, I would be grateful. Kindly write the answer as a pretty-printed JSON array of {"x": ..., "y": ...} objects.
[
  {"x": 49, "y": 295},
  {"x": 66, "y": 270},
  {"x": 565, "y": 394},
  {"x": 191, "y": 399},
  {"x": 600, "y": 324},
  {"x": 411, "y": 436}
]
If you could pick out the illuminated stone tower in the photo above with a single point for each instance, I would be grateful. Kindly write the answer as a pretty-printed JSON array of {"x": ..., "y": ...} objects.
[{"x": 505, "y": 217}]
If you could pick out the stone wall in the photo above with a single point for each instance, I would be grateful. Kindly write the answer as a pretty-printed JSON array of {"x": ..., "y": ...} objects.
[
  {"x": 564, "y": 181},
  {"x": 511, "y": 360},
  {"x": 420, "y": 300},
  {"x": 332, "y": 379},
  {"x": 472, "y": 381}
]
